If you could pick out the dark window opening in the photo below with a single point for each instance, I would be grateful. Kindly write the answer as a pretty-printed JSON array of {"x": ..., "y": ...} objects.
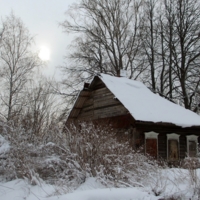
[
  {"x": 192, "y": 148},
  {"x": 151, "y": 147},
  {"x": 173, "y": 153}
]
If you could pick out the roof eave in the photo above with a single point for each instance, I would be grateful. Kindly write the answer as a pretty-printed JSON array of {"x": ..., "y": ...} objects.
[{"x": 165, "y": 124}]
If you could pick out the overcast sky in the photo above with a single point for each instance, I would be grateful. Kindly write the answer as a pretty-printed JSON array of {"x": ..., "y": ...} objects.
[{"x": 42, "y": 18}]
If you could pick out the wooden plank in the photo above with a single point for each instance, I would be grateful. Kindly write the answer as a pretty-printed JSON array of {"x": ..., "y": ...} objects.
[
  {"x": 98, "y": 84},
  {"x": 85, "y": 114},
  {"x": 103, "y": 98},
  {"x": 102, "y": 105},
  {"x": 74, "y": 113},
  {"x": 88, "y": 108},
  {"x": 101, "y": 90},
  {"x": 86, "y": 117},
  {"x": 76, "y": 108},
  {"x": 100, "y": 96},
  {"x": 88, "y": 102},
  {"x": 99, "y": 99},
  {"x": 80, "y": 101},
  {"x": 84, "y": 93},
  {"x": 110, "y": 108},
  {"x": 106, "y": 103},
  {"x": 110, "y": 111}
]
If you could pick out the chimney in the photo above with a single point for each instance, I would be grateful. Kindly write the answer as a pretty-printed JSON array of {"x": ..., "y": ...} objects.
[
  {"x": 86, "y": 86},
  {"x": 122, "y": 73}
]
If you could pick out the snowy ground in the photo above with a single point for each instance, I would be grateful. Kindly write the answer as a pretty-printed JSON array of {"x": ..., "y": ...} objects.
[
  {"x": 91, "y": 190},
  {"x": 174, "y": 183}
]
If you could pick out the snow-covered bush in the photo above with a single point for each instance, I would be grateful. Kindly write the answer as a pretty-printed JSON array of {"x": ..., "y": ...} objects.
[
  {"x": 99, "y": 153},
  {"x": 71, "y": 157},
  {"x": 26, "y": 154},
  {"x": 192, "y": 164}
]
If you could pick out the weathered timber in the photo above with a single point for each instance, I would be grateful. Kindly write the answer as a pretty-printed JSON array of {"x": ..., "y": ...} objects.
[
  {"x": 110, "y": 111},
  {"x": 106, "y": 103},
  {"x": 117, "y": 122},
  {"x": 97, "y": 84},
  {"x": 79, "y": 103},
  {"x": 85, "y": 116},
  {"x": 103, "y": 97},
  {"x": 102, "y": 91},
  {"x": 89, "y": 102},
  {"x": 101, "y": 104},
  {"x": 87, "y": 108}
]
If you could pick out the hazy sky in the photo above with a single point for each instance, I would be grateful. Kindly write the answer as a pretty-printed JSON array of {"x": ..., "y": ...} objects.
[{"x": 42, "y": 18}]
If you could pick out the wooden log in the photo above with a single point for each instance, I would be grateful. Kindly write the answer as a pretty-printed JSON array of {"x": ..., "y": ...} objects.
[
  {"x": 106, "y": 103},
  {"x": 85, "y": 115},
  {"x": 88, "y": 102},
  {"x": 100, "y": 97},
  {"x": 87, "y": 108},
  {"x": 110, "y": 111}
]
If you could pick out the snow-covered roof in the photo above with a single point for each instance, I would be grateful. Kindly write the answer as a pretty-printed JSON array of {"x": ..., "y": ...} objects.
[{"x": 144, "y": 105}]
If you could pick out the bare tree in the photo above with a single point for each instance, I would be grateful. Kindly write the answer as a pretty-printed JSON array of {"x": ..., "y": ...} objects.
[
  {"x": 169, "y": 40},
  {"x": 16, "y": 63},
  {"x": 166, "y": 38},
  {"x": 40, "y": 107},
  {"x": 171, "y": 43},
  {"x": 150, "y": 37},
  {"x": 186, "y": 53},
  {"x": 108, "y": 38}
]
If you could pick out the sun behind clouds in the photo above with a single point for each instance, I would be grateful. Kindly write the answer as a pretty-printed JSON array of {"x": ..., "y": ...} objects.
[{"x": 44, "y": 53}]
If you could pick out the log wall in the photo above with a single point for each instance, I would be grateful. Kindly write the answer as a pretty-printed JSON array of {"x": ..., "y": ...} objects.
[{"x": 101, "y": 104}]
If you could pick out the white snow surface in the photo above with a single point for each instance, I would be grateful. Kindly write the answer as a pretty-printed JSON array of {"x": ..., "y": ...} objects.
[
  {"x": 167, "y": 183},
  {"x": 144, "y": 105},
  {"x": 92, "y": 190}
]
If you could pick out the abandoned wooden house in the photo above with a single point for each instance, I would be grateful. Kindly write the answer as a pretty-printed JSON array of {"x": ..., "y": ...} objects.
[{"x": 166, "y": 130}]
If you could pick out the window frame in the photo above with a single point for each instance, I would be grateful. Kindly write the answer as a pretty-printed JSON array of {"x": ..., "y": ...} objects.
[
  {"x": 192, "y": 138},
  {"x": 173, "y": 136},
  {"x": 151, "y": 135}
]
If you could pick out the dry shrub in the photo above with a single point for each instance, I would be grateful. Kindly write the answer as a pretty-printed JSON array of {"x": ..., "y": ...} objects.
[
  {"x": 27, "y": 154},
  {"x": 192, "y": 164},
  {"x": 100, "y": 154},
  {"x": 69, "y": 158}
]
